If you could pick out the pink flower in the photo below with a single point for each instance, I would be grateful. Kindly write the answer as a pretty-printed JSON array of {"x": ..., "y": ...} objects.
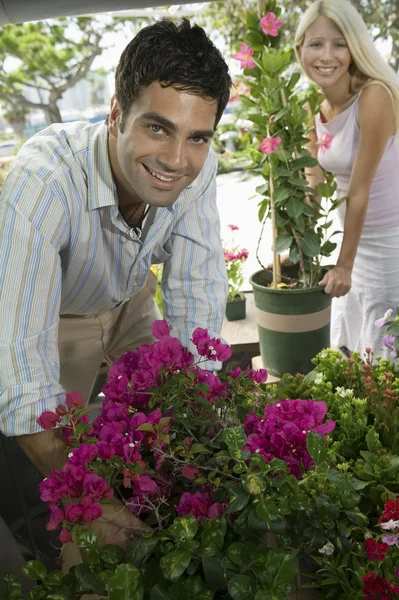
[
  {"x": 270, "y": 24},
  {"x": 213, "y": 348},
  {"x": 65, "y": 536},
  {"x": 391, "y": 539},
  {"x": 245, "y": 57},
  {"x": 269, "y": 145},
  {"x": 160, "y": 329},
  {"x": 74, "y": 399},
  {"x": 57, "y": 515},
  {"x": 91, "y": 510},
  {"x": 233, "y": 227},
  {"x": 325, "y": 142},
  {"x": 190, "y": 472},
  {"x": 48, "y": 419},
  {"x": 259, "y": 376},
  {"x": 200, "y": 506},
  {"x": 73, "y": 512}
]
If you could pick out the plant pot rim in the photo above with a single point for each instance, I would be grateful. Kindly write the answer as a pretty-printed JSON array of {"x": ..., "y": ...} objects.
[{"x": 313, "y": 290}]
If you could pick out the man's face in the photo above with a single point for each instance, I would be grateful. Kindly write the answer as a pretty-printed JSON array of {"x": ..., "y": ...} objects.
[{"x": 163, "y": 145}]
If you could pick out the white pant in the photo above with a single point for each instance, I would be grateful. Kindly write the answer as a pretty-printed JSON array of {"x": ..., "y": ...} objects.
[{"x": 375, "y": 289}]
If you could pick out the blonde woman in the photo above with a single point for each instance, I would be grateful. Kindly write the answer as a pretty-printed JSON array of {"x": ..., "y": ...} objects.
[{"x": 355, "y": 138}]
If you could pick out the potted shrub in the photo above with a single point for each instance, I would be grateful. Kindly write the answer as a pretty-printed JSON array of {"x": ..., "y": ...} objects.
[
  {"x": 293, "y": 311},
  {"x": 241, "y": 488},
  {"x": 234, "y": 259}
]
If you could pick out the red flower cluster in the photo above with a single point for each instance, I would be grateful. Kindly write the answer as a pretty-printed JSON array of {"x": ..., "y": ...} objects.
[
  {"x": 391, "y": 511},
  {"x": 374, "y": 550},
  {"x": 378, "y": 588}
]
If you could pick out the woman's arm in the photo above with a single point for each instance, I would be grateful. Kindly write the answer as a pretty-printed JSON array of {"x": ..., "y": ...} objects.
[{"x": 377, "y": 124}]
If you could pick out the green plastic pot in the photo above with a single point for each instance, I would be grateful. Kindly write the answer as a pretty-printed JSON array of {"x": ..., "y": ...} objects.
[
  {"x": 293, "y": 325},
  {"x": 235, "y": 309}
]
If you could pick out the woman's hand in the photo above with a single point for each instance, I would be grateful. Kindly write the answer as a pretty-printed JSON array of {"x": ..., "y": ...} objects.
[{"x": 337, "y": 282}]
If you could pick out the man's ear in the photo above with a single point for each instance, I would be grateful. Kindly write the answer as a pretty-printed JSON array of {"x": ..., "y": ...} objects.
[{"x": 114, "y": 116}]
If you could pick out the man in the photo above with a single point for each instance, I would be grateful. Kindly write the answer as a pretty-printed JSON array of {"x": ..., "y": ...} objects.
[{"x": 86, "y": 210}]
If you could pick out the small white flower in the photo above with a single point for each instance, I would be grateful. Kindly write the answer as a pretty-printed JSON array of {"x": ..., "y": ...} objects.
[
  {"x": 389, "y": 525},
  {"x": 132, "y": 445},
  {"x": 319, "y": 378},
  {"x": 304, "y": 431},
  {"x": 327, "y": 549},
  {"x": 257, "y": 450},
  {"x": 70, "y": 455},
  {"x": 278, "y": 405}
]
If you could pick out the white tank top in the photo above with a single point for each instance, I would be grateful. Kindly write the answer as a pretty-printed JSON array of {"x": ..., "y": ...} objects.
[{"x": 383, "y": 207}]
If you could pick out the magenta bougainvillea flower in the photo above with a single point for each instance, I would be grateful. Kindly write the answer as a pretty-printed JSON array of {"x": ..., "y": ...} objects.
[
  {"x": 282, "y": 431},
  {"x": 200, "y": 505},
  {"x": 245, "y": 57},
  {"x": 270, "y": 24},
  {"x": 129, "y": 441},
  {"x": 269, "y": 145}
]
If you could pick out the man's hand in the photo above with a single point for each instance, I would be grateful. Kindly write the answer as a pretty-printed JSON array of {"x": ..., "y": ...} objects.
[
  {"x": 117, "y": 525},
  {"x": 337, "y": 282}
]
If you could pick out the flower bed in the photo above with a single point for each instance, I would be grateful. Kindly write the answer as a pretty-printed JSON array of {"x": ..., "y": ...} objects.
[{"x": 244, "y": 485}]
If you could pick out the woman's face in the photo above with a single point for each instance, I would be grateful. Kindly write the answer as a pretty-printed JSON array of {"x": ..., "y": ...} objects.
[{"x": 325, "y": 56}]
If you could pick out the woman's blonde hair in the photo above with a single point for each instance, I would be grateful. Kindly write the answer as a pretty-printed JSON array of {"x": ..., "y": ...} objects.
[{"x": 368, "y": 66}]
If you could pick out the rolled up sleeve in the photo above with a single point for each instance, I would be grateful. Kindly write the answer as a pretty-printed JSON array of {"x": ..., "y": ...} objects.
[{"x": 32, "y": 223}]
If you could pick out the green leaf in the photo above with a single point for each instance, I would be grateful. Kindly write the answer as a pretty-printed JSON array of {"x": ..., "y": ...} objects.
[
  {"x": 294, "y": 208},
  {"x": 273, "y": 61},
  {"x": 86, "y": 540},
  {"x": 241, "y": 587},
  {"x": 310, "y": 244},
  {"x": 174, "y": 564},
  {"x": 239, "y": 501},
  {"x": 316, "y": 447},
  {"x": 88, "y": 580},
  {"x": 53, "y": 578},
  {"x": 212, "y": 539},
  {"x": 125, "y": 584},
  {"x": 284, "y": 241},
  {"x": 267, "y": 510},
  {"x": 281, "y": 194},
  {"x": 111, "y": 554},
  {"x": 184, "y": 528},
  {"x": 213, "y": 571},
  {"x": 235, "y": 438},
  {"x": 357, "y": 518},
  {"x": 34, "y": 569},
  {"x": 325, "y": 190},
  {"x": 287, "y": 570},
  {"x": 304, "y": 161},
  {"x": 146, "y": 427},
  {"x": 340, "y": 480},
  {"x": 158, "y": 592},
  {"x": 199, "y": 448},
  {"x": 139, "y": 549}
]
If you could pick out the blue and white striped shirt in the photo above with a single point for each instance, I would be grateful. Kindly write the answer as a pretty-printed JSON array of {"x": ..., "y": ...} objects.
[{"x": 65, "y": 249}]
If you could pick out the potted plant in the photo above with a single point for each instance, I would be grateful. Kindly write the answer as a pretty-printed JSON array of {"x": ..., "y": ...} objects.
[
  {"x": 293, "y": 311},
  {"x": 234, "y": 259},
  {"x": 241, "y": 488}
]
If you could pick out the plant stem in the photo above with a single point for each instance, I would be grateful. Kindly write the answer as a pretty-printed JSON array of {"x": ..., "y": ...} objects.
[
  {"x": 300, "y": 253},
  {"x": 276, "y": 258}
]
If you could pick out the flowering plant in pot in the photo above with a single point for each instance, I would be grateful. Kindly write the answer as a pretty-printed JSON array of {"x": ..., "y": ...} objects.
[
  {"x": 293, "y": 311},
  {"x": 205, "y": 461},
  {"x": 234, "y": 260},
  {"x": 282, "y": 118}
]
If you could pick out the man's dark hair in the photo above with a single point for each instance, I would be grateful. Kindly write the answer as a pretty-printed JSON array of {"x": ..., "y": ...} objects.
[{"x": 177, "y": 55}]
